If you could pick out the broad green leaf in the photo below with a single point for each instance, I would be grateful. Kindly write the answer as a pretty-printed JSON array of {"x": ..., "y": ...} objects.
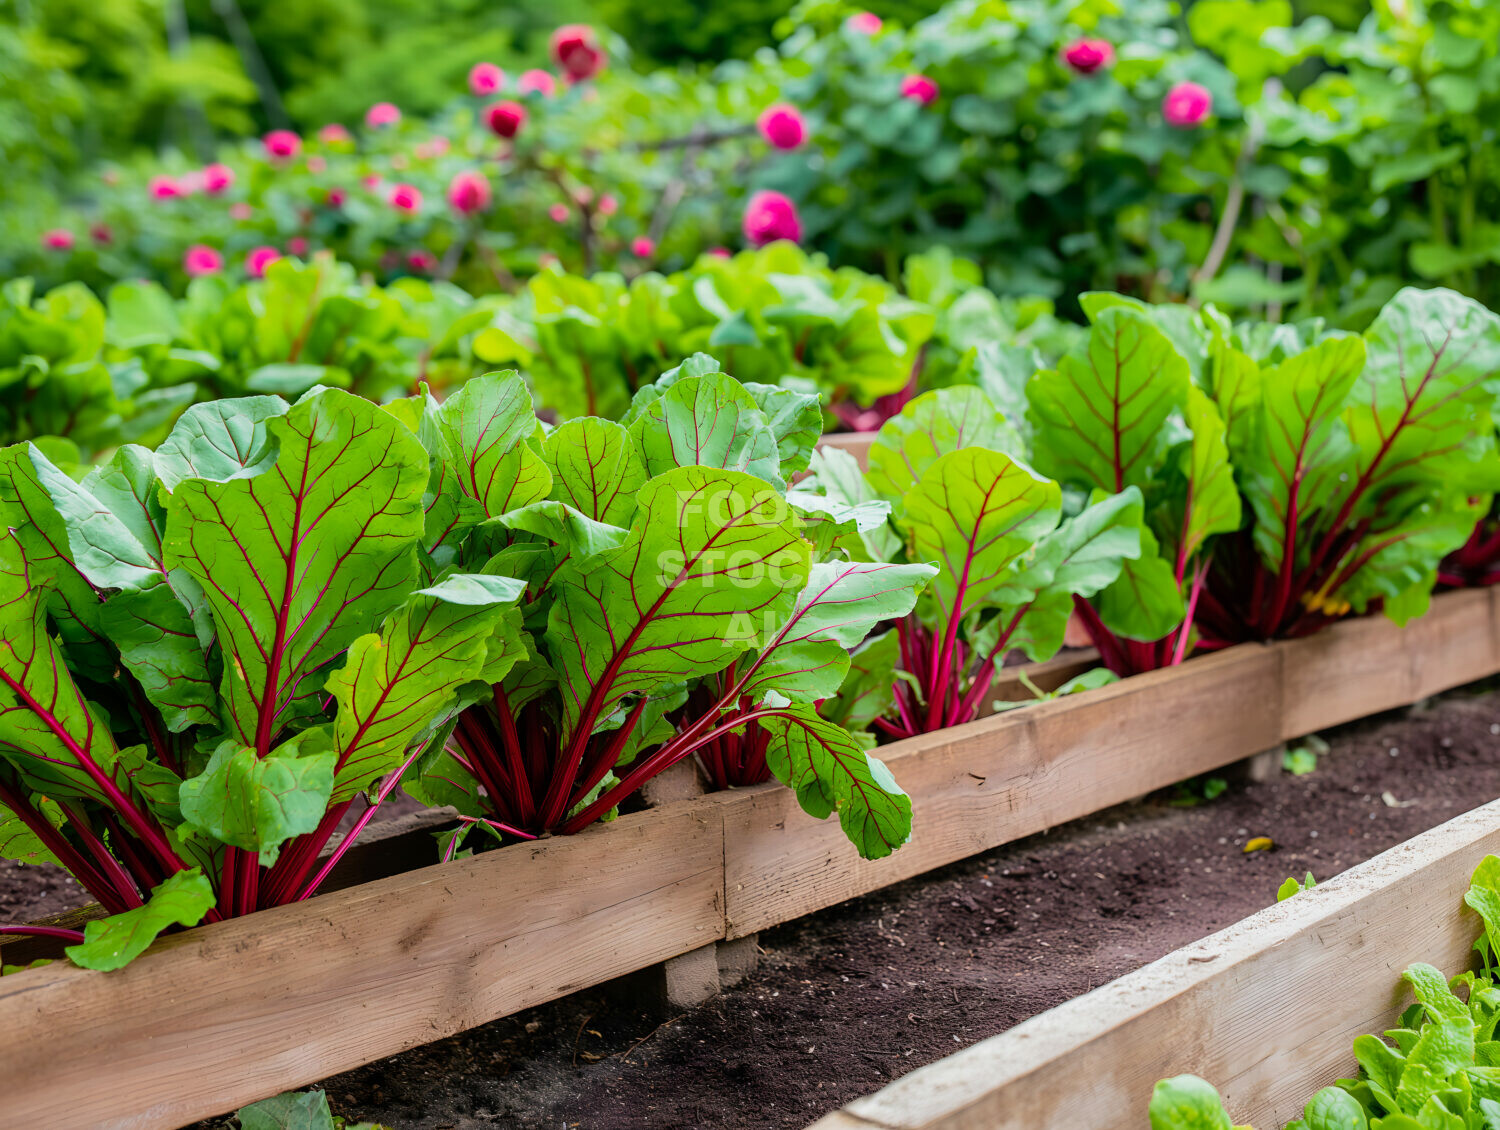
[
  {"x": 1099, "y": 417},
  {"x": 113, "y": 942},
  {"x": 159, "y": 645},
  {"x": 1414, "y": 530},
  {"x": 708, "y": 421},
  {"x": 711, "y": 568},
  {"x": 1187, "y": 1102},
  {"x": 481, "y": 434},
  {"x": 1146, "y": 602},
  {"x": 258, "y": 803},
  {"x": 1212, "y": 501},
  {"x": 596, "y": 468},
  {"x": 48, "y": 730},
  {"x": 1422, "y": 410},
  {"x": 931, "y": 426},
  {"x": 1334, "y": 1109},
  {"x": 975, "y": 512},
  {"x": 396, "y": 683},
  {"x": 295, "y": 1110},
  {"x": 808, "y": 657},
  {"x": 836, "y": 477},
  {"x": 1293, "y": 471},
  {"x": 831, "y": 772},
  {"x": 19, "y": 842},
  {"x": 300, "y": 560},
  {"x": 221, "y": 440},
  {"x": 560, "y": 523}
]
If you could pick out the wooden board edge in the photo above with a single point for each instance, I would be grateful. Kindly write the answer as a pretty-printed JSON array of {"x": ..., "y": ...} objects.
[{"x": 964, "y": 1089}]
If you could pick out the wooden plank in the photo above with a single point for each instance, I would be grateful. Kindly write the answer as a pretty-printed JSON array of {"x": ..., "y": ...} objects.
[
  {"x": 1266, "y": 1010},
  {"x": 978, "y": 786},
  {"x": 1361, "y": 667},
  {"x": 856, "y": 444},
  {"x": 1048, "y": 675},
  {"x": 385, "y": 847},
  {"x": 233, "y": 1012}
]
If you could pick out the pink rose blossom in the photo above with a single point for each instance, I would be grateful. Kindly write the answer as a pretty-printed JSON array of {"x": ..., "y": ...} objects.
[
  {"x": 164, "y": 187},
  {"x": 282, "y": 144},
  {"x": 559, "y": 213},
  {"x": 336, "y": 197},
  {"x": 608, "y": 205},
  {"x": 102, "y": 233},
  {"x": 317, "y": 164},
  {"x": 538, "y": 81},
  {"x": 575, "y": 48},
  {"x": 333, "y": 134},
  {"x": 217, "y": 178},
  {"x": 771, "y": 216},
  {"x": 297, "y": 245},
  {"x": 919, "y": 88},
  {"x": 240, "y": 211},
  {"x": 469, "y": 192},
  {"x": 1089, "y": 55},
  {"x": 782, "y": 126},
  {"x": 642, "y": 248},
  {"x": 405, "y": 198},
  {"x": 486, "y": 78},
  {"x": 583, "y": 196},
  {"x": 382, "y": 114},
  {"x": 720, "y": 253},
  {"x": 1186, "y": 105},
  {"x": 420, "y": 260},
  {"x": 200, "y": 260},
  {"x": 866, "y": 23},
  {"x": 259, "y": 259},
  {"x": 505, "y": 119},
  {"x": 58, "y": 239},
  {"x": 371, "y": 181}
]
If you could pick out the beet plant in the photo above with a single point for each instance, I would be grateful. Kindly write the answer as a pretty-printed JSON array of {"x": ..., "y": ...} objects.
[
  {"x": 1363, "y": 460},
  {"x": 211, "y": 651},
  {"x": 1011, "y": 558},
  {"x": 676, "y": 595},
  {"x": 1121, "y": 410}
]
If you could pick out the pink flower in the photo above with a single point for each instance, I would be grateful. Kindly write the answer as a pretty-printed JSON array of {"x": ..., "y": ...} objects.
[
  {"x": 420, "y": 260},
  {"x": 282, "y": 144},
  {"x": 576, "y": 50},
  {"x": 405, "y": 198},
  {"x": 382, "y": 114},
  {"x": 164, "y": 187},
  {"x": 642, "y": 248},
  {"x": 559, "y": 213},
  {"x": 919, "y": 88},
  {"x": 771, "y": 216},
  {"x": 371, "y": 181},
  {"x": 1186, "y": 105},
  {"x": 539, "y": 81},
  {"x": 240, "y": 211},
  {"x": 866, "y": 23},
  {"x": 259, "y": 259},
  {"x": 608, "y": 205},
  {"x": 782, "y": 126},
  {"x": 469, "y": 192},
  {"x": 200, "y": 259},
  {"x": 1089, "y": 55},
  {"x": 297, "y": 245},
  {"x": 505, "y": 119},
  {"x": 583, "y": 196},
  {"x": 101, "y": 233},
  {"x": 486, "y": 78},
  {"x": 58, "y": 239},
  {"x": 333, "y": 134},
  {"x": 317, "y": 164},
  {"x": 336, "y": 197},
  {"x": 217, "y": 178},
  {"x": 720, "y": 253}
]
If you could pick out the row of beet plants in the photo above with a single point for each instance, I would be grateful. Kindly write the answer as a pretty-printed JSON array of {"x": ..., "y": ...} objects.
[
  {"x": 1436, "y": 1068},
  {"x": 79, "y": 376},
  {"x": 1211, "y": 484},
  {"x": 214, "y": 649}
]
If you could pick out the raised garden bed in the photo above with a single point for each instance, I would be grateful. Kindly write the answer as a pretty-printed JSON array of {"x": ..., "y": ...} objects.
[
  {"x": 1266, "y": 1008},
  {"x": 232, "y": 1012}
]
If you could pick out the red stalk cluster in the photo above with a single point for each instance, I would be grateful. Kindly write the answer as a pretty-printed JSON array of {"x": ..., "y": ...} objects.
[{"x": 1476, "y": 563}]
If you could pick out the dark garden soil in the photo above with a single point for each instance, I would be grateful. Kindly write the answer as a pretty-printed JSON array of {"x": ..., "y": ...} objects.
[{"x": 848, "y": 999}]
